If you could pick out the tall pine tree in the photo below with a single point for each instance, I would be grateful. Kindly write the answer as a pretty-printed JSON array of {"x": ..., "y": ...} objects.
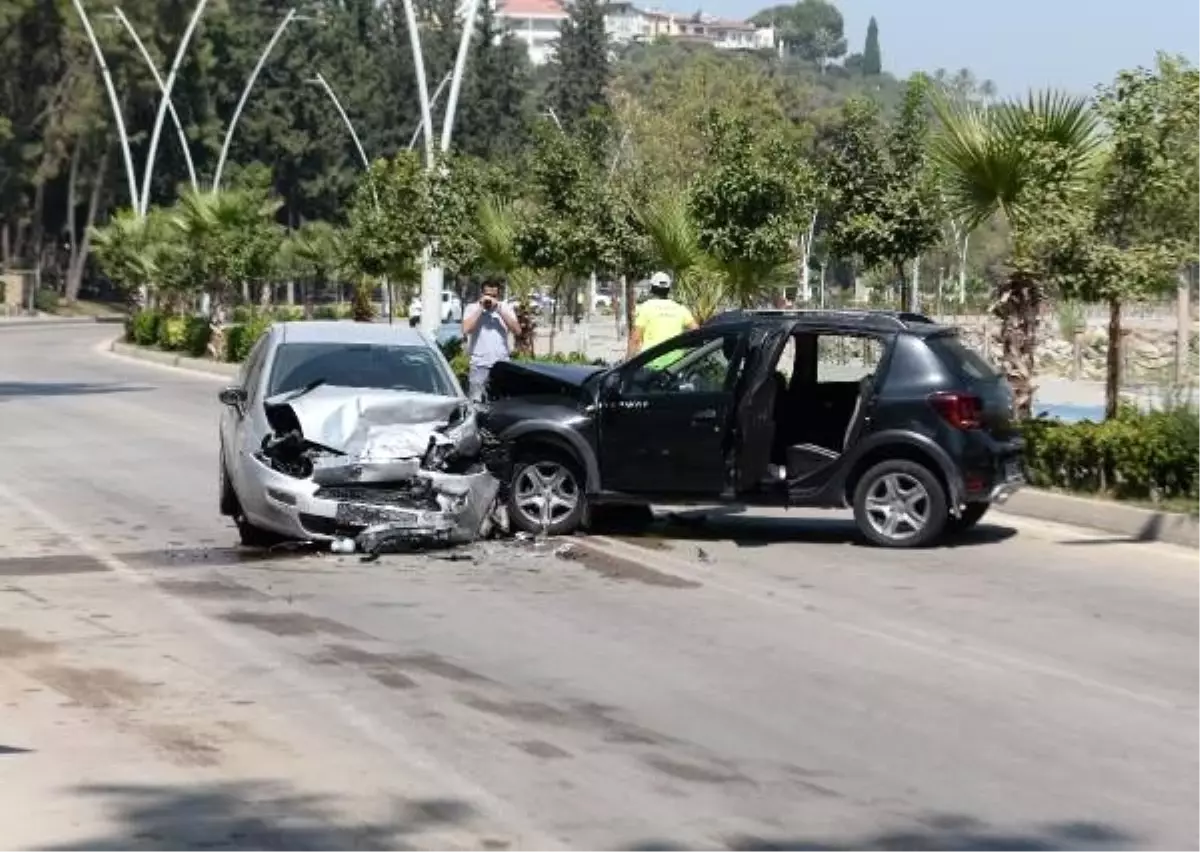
[
  {"x": 581, "y": 63},
  {"x": 872, "y": 62}
]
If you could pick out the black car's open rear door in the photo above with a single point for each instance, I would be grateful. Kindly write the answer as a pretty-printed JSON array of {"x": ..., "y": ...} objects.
[{"x": 755, "y": 417}]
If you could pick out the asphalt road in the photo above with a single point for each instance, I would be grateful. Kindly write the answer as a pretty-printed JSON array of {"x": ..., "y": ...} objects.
[{"x": 749, "y": 683}]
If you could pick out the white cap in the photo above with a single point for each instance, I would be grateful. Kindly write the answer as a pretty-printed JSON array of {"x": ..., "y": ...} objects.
[{"x": 660, "y": 279}]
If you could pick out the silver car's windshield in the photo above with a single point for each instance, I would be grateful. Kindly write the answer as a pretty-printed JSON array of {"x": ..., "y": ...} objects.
[{"x": 359, "y": 365}]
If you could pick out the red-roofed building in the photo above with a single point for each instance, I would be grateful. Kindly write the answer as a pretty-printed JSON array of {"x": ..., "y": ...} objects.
[{"x": 534, "y": 22}]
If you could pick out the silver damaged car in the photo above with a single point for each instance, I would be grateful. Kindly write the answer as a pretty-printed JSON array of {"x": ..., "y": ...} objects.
[{"x": 340, "y": 430}]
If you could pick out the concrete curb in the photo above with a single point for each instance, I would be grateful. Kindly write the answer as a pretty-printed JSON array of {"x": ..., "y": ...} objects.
[
  {"x": 171, "y": 359},
  {"x": 41, "y": 322},
  {"x": 1109, "y": 516}
]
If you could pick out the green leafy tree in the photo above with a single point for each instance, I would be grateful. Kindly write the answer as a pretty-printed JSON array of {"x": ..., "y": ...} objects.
[
  {"x": 747, "y": 206},
  {"x": 872, "y": 59},
  {"x": 884, "y": 205},
  {"x": 1141, "y": 225},
  {"x": 392, "y": 220},
  {"x": 812, "y": 30},
  {"x": 581, "y": 64}
]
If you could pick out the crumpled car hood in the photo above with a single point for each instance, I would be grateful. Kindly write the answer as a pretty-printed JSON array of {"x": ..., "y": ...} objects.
[
  {"x": 403, "y": 465},
  {"x": 374, "y": 425}
]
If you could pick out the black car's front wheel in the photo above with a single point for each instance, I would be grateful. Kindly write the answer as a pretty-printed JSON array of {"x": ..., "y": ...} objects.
[
  {"x": 900, "y": 503},
  {"x": 546, "y": 494}
]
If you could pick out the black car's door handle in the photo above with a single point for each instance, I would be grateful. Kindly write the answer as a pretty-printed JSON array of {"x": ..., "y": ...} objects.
[{"x": 708, "y": 415}]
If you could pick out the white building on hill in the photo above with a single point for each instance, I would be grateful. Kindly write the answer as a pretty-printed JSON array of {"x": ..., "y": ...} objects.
[{"x": 536, "y": 23}]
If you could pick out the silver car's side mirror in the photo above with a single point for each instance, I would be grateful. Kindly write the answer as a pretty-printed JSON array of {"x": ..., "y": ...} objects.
[{"x": 233, "y": 396}]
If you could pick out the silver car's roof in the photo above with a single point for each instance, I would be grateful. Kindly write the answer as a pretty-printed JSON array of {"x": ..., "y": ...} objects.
[{"x": 338, "y": 331}]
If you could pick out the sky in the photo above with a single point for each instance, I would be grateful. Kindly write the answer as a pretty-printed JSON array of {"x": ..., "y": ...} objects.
[{"x": 1018, "y": 44}]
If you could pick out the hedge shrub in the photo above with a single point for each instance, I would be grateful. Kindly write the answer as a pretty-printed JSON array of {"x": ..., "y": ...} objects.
[
  {"x": 1137, "y": 455},
  {"x": 142, "y": 328},
  {"x": 172, "y": 333},
  {"x": 196, "y": 336},
  {"x": 241, "y": 337}
]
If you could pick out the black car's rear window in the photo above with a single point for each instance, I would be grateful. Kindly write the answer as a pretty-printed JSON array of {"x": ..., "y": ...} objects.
[
  {"x": 358, "y": 365},
  {"x": 960, "y": 358}
]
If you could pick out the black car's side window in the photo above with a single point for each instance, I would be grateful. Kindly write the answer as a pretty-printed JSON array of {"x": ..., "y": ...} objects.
[
  {"x": 706, "y": 365},
  {"x": 845, "y": 358}
]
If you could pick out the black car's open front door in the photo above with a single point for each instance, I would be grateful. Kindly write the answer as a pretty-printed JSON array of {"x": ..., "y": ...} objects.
[{"x": 664, "y": 418}]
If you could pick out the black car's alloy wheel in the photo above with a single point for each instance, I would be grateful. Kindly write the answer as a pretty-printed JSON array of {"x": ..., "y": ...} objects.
[
  {"x": 900, "y": 503},
  {"x": 546, "y": 496}
]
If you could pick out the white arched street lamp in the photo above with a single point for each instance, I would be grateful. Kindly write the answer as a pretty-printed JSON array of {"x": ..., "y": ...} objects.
[
  {"x": 166, "y": 103},
  {"x": 432, "y": 103},
  {"x": 337, "y": 104},
  {"x": 292, "y": 15},
  {"x": 164, "y": 89},
  {"x": 431, "y": 275},
  {"x": 114, "y": 102}
]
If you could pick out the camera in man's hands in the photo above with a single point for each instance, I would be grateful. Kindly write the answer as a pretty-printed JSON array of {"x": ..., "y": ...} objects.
[{"x": 488, "y": 303}]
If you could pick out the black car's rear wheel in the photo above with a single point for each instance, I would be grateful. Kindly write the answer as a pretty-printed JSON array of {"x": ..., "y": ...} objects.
[
  {"x": 546, "y": 495},
  {"x": 900, "y": 503},
  {"x": 970, "y": 516}
]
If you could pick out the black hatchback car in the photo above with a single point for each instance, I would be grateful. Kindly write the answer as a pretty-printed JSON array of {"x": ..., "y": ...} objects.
[{"x": 888, "y": 413}]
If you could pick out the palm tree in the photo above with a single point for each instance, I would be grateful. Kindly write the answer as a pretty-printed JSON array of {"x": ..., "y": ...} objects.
[
  {"x": 498, "y": 254},
  {"x": 126, "y": 253},
  {"x": 700, "y": 282},
  {"x": 312, "y": 255},
  {"x": 1024, "y": 161},
  {"x": 230, "y": 238}
]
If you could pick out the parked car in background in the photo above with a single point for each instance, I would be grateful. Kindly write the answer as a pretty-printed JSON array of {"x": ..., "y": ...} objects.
[
  {"x": 886, "y": 413},
  {"x": 452, "y": 309}
]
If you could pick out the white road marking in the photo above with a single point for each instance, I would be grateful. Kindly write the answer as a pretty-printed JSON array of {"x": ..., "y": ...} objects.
[{"x": 281, "y": 669}]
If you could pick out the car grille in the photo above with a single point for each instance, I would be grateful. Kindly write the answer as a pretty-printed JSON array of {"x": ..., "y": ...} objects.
[{"x": 321, "y": 525}]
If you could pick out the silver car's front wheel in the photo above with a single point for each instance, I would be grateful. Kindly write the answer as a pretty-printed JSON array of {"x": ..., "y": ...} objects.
[
  {"x": 900, "y": 503},
  {"x": 546, "y": 496}
]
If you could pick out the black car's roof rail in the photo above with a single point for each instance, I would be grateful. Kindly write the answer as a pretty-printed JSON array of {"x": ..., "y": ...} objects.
[{"x": 876, "y": 319}]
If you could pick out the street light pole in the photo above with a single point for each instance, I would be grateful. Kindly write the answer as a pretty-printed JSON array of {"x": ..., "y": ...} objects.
[
  {"x": 130, "y": 174},
  {"x": 432, "y": 103},
  {"x": 183, "y": 141},
  {"x": 337, "y": 104},
  {"x": 166, "y": 103},
  {"x": 320, "y": 80},
  {"x": 237, "y": 112},
  {"x": 460, "y": 65}
]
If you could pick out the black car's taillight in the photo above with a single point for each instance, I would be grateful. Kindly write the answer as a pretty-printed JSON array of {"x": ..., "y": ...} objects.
[{"x": 960, "y": 410}]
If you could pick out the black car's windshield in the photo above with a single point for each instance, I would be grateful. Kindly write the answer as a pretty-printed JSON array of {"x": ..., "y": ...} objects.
[
  {"x": 957, "y": 356},
  {"x": 358, "y": 365}
]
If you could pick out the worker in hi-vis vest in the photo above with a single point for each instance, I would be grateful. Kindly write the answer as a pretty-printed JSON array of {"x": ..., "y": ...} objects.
[{"x": 658, "y": 318}]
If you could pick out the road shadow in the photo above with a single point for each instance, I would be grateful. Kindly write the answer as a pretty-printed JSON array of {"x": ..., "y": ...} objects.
[
  {"x": 25, "y": 390},
  {"x": 750, "y": 531},
  {"x": 252, "y": 815},
  {"x": 937, "y": 833}
]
